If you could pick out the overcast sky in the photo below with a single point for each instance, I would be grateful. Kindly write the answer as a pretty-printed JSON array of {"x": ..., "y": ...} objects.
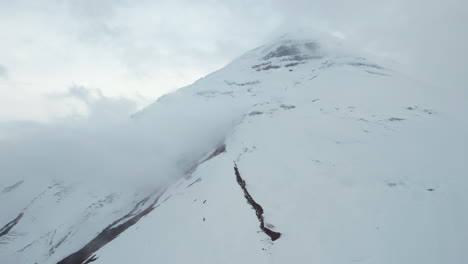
[{"x": 142, "y": 49}]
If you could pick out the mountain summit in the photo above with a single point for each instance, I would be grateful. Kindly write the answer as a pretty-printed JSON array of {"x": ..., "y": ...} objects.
[{"x": 296, "y": 152}]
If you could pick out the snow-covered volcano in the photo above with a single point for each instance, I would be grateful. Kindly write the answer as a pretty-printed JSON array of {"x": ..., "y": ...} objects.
[{"x": 305, "y": 153}]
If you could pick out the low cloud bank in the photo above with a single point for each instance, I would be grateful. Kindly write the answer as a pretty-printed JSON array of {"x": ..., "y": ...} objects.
[{"x": 110, "y": 147}]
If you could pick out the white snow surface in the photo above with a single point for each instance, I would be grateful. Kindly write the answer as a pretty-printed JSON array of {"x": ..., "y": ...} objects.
[{"x": 351, "y": 160}]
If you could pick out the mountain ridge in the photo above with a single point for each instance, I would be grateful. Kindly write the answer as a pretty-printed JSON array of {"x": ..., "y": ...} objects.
[{"x": 332, "y": 146}]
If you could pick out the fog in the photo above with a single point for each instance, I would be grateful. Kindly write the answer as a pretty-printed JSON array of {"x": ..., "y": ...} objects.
[
  {"x": 144, "y": 49},
  {"x": 109, "y": 147}
]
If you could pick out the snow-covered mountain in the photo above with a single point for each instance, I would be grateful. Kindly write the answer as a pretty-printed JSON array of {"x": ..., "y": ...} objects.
[{"x": 299, "y": 151}]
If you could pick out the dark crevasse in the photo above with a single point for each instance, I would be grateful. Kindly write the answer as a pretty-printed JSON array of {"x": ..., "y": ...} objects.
[{"x": 257, "y": 207}]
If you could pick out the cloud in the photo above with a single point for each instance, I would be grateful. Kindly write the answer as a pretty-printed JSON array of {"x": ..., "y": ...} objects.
[
  {"x": 146, "y": 47},
  {"x": 3, "y": 71},
  {"x": 107, "y": 149},
  {"x": 98, "y": 107}
]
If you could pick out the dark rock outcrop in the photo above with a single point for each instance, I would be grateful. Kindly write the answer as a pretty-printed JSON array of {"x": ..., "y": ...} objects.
[{"x": 257, "y": 207}]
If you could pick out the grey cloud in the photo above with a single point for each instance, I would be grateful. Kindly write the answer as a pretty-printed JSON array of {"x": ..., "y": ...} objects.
[
  {"x": 159, "y": 42},
  {"x": 156, "y": 146},
  {"x": 100, "y": 108},
  {"x": 3, "y": 71}
]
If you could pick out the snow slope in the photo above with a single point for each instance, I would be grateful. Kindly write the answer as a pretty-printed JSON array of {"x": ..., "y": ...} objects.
[{"x": 349, "y": 160}]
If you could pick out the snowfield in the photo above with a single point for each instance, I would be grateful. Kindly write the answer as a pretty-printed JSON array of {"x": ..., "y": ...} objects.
[{"x": 344, "y": 160}]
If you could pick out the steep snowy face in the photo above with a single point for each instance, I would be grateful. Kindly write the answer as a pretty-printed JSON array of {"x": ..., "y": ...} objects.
[{"x": 296, "y": 152}]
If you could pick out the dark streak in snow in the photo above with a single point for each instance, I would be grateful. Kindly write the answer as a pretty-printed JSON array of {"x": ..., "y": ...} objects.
[
  {"x": 396, "y": 119},
  {"x": 5, "y": 229},
  {"x": 86, "y": 254},
  {"x": 12, "y": 187},
  {"x": 220, "y": 149},
  {"x": 90, "y": 259},
  {"x": 258, "y": 208},
  {"x": 198, "y": 180},
  {"x": 378, "y": 73}
]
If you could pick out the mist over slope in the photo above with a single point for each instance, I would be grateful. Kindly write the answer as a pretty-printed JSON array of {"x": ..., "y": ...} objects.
[
  {"x": 344, "y": 158},
  {"x": 67, "y": 180}
]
